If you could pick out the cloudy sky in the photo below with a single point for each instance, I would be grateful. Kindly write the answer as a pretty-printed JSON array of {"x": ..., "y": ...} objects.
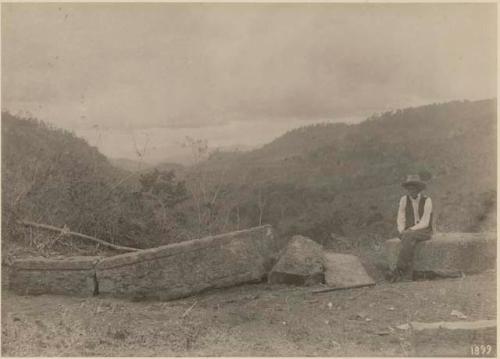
[{"x": 235, "y": 74}]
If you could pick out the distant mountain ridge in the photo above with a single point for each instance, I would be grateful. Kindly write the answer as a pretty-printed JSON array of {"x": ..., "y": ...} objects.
[{"x": 129, "y": 165}]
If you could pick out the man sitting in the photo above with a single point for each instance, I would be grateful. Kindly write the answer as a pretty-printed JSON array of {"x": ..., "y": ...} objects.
[{"x": 414, "y": 225}]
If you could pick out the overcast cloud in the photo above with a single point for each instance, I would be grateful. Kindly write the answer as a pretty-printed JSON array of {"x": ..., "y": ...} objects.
[{"x": 236, "y": 73}]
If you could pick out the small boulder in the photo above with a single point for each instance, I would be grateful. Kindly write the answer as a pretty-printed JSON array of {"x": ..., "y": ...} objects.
[
  {"x": 345, "y": 270},
  {"x": 302, "y": 262}
]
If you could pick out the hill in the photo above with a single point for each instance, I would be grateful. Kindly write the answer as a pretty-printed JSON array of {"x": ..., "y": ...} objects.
[
  {"x": 50, "y": 176},
  {"x": 335, "y": 179},
  {"x": 143, "y": 167}
]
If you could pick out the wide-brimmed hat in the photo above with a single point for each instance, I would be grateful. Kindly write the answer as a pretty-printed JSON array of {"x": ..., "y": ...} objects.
[{"x": 414, "y": 180}]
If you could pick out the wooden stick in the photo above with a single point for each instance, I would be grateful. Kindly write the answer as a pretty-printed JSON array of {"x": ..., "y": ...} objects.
[
  {"x": 76, "y": 234},
  {"x": 189, "y": 309},
  {"x": 340, "y": 288}
]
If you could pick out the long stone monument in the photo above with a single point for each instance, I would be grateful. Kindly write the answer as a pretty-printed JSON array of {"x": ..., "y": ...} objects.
[{"x": 186, "y": 268}]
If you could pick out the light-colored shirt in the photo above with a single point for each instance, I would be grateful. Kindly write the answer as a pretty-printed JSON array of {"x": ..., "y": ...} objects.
[{"x": 420, "y": 223}]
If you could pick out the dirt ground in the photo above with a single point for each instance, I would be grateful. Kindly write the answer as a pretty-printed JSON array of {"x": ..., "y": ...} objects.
[{"x": 253, "y": 320}]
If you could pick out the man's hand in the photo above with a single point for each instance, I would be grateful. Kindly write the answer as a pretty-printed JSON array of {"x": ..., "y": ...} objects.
[{"x": 404, "y": 231}]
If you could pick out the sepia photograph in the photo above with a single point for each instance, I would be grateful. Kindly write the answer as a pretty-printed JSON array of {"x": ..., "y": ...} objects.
[{"x": 248, "y": 179}]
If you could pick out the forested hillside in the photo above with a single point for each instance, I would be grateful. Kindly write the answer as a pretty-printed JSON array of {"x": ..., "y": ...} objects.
[
  {"x": 345, "y": 179},
  {"x": 50, "y": 176}
]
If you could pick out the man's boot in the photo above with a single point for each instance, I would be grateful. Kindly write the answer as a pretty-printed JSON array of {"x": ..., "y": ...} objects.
[{"x": 395, "y": 275}]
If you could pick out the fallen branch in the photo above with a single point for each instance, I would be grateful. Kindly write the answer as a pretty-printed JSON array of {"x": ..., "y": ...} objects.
[
  {"x": 76, "y": 234},
  {"x": 340, "y": 288}
]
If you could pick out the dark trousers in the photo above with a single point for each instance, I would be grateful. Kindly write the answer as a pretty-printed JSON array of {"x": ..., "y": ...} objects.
[{"x": 409, "y": 240}]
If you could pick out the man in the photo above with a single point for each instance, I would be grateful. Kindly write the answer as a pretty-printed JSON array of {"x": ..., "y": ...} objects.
[{"x": 414, "y": 225}]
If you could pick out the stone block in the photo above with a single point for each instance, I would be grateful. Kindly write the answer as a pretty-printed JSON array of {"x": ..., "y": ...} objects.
[
  {"x": 68, "y": 276},
  {"x": 186, "y": 268},
  {"x": 345, "y": 270},
  {"x": 454, "y": 339},
  {"x": 302, "y": 262},
  {"x": 449, "y": 253}
]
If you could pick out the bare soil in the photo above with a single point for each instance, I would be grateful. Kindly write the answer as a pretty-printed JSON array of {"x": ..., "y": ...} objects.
[{"x": 253, "y": 320}]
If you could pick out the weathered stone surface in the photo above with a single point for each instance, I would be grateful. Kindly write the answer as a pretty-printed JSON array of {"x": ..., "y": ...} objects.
[
  {"x": 186, "y": 268},
  {"x": 449, "y": 253},
  {"x": 69, "y": 276},
  {"x": 302, "y": 262},
  {"x": 344, "y": 270},
  {"x": 5, "y": 276}
]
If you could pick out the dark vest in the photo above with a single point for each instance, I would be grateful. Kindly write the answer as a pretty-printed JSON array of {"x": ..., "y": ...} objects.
[{"x": 410, "y": 217}]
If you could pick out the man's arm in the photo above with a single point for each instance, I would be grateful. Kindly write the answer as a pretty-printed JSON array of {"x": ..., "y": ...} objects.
[
  {"x": 426, "y": 217},
  {"x": 401, "y": 220}
]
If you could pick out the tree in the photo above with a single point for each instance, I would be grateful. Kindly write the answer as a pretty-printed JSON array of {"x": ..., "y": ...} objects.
[
  {"x": 162, "y": 188},
  {"x": 206, "y": 186}
]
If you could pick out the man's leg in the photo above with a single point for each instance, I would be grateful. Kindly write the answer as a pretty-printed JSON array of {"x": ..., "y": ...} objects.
[{"x": 409, "y": 240}]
